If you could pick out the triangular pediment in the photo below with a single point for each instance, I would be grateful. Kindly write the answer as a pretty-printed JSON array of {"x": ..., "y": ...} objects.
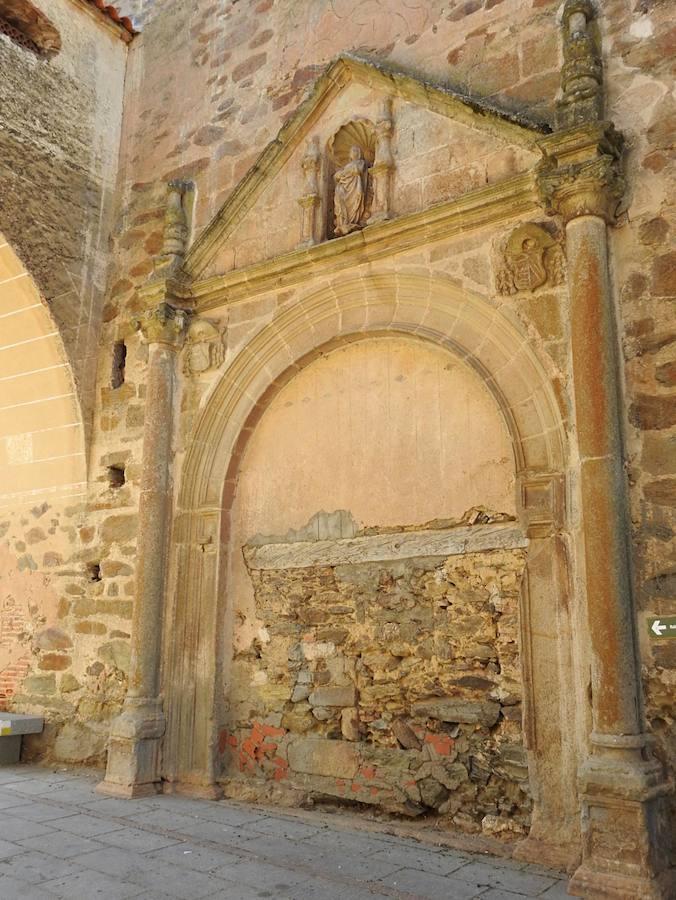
[{"x": 443, "y": 145}]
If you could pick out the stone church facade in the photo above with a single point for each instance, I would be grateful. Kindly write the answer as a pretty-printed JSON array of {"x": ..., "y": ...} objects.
[{"x": 337, "y": 420}]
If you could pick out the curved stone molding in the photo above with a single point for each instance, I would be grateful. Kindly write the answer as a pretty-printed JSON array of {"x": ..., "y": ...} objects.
[{"x": 428, "y": 308}]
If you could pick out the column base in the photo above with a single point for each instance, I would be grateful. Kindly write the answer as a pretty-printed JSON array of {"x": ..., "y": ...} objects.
[
  {"x": 589, "y": 883},
  {"x": 625, "y": 830},
  {"x": 547, "y": 852},
  {"x": 133, "y": 767},
  {"x": 207, "y": 791}
]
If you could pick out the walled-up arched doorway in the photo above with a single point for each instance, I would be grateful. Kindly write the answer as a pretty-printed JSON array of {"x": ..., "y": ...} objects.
[{"x": 496, "y": 353}]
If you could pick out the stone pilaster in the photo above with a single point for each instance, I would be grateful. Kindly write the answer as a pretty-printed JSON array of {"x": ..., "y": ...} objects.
[
  {"x": 383, "y": 164},
  {"x": 135, "y": 738},
  {"x": 309, "y": 201},
  {"x": 622, "y": 786}
]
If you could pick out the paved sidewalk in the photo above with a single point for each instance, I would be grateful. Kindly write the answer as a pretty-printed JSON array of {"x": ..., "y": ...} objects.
[{"x": 58, "y": 838}]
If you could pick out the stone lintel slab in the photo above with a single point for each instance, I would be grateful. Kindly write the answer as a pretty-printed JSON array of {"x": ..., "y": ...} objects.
[{"x": 387, "y": 547}]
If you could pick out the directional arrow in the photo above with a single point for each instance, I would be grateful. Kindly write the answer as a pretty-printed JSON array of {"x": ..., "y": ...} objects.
[{"x": 664, "y": 627}]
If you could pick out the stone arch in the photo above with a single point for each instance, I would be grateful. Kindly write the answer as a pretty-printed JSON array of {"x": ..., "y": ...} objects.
[
  {"x": 41, "y": 430},
  {"x": 431, "y": 308},
  {"x": 427, "y": 308}
]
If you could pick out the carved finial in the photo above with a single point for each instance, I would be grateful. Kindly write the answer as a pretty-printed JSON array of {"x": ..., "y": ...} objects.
[
  {"x": 309, "y": 200},
  {"x": 175, "y": 226},
  {"x": 582, "y": 73},
  {"x": 383, "y": 164}
]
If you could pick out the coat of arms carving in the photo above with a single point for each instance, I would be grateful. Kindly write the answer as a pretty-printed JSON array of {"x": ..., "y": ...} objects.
[
  {"x": 203, "y": 347},
  {"x": 531, "y": 258}
]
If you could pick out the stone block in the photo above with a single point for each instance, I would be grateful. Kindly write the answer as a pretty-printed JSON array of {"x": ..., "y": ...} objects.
[
  {"x": 39, "y": 684},
  {"x": 405, "y": 735},
  {"x": 116, "y": 653},
  {"x": 344, "y": 695},
  {"x": 332, "y": 759},
  {"x": 450, "y": 710},
  {"x": 120, "y": 529},
  {"x": 77, "y": 743},
  {"x": 53, "y": 639},
  {"x": 349, "y": 724},
  {"x": 300, "y": 692},
  {"x": 55, "y": 662}
]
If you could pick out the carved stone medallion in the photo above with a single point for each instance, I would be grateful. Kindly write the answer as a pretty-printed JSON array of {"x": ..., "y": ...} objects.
[
  {"x": 203, "y": 347},
  {"x": 531, "y": 258}
]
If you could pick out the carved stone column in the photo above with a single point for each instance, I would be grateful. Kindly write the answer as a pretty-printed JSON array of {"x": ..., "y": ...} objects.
[
  {"x": 381, "y": 170},
  {"x": 175, "y": 226},
  {"x": 134, "y": 745},
  {"x": 309, "y": 201},
  {"x": 622, "y": 786}
]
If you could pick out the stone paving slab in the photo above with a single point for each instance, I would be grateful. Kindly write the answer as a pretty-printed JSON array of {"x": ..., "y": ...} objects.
[{"x": 58, "y": 838}]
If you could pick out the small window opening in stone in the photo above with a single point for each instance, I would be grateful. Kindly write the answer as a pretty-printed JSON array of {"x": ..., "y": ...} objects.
[
  {"x": 94, "y": 571},
  {"x": 119, "y": 363},
  {"x": 29, "y": 28},
  {"x": 116, "y": 476}
]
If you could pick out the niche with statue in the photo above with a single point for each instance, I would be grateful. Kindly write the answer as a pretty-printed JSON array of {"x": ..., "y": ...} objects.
[{"x": 356, "y": 180}]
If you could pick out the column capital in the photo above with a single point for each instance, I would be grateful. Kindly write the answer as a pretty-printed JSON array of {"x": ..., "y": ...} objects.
[
  {"x": 581, "y": 173},
  {"x": 163, "y": 324}
]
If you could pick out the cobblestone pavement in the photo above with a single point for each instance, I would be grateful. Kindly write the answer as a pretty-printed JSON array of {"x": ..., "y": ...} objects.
[{"x": 58, "y": 838}]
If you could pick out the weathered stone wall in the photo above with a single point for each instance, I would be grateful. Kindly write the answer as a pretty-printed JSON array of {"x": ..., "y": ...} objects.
[
  {"x": 64, "y": 628},
  {"x": 208, "y": 88},
  {"x": 249, "y": 65},
  {"x": 391, "y": 683},
  {"x": 59, "y": 145}
]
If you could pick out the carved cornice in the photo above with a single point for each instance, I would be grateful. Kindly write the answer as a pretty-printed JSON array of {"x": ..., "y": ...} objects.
[
  {"x": 496, "y": 203},
  {"x": 163, "y": 324},
  {"x": 581, "y": 174},
  {"x": 346, "y": 69}
]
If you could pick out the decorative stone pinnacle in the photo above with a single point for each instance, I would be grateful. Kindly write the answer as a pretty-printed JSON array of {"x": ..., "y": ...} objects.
[
  {"x": 310, "y": 165},
  {"x": 309, "y": 199},
  {"x": 582, "y": 72},
  {"x": 175, "y": 226},
  {"x": 163, "y": 324}
]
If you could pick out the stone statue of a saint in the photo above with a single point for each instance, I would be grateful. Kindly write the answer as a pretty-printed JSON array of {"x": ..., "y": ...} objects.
[{"x": 350, "y": 194}]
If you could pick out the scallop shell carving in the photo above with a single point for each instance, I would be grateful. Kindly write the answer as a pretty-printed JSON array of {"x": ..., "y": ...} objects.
[{"x": 360, "y": 133}]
